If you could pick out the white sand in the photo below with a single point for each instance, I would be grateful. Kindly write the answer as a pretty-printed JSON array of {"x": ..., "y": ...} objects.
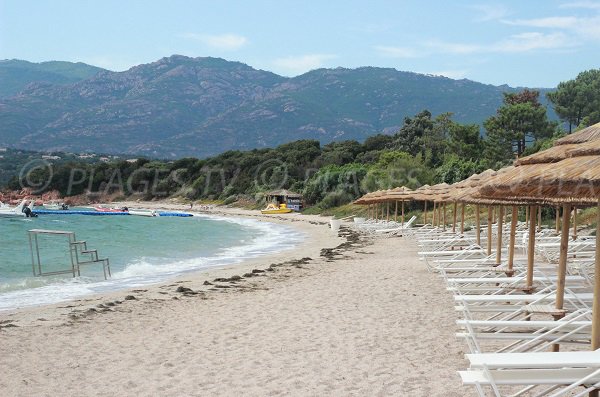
[{"x": 372, "y": 322}]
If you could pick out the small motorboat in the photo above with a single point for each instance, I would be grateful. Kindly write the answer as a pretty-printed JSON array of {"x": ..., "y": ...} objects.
[
  {"x": 53, "y": 205},
  {"x": 106, "y": 209},
  {"x": 274, "y": 209},
  {"x": 13, "y": 212}
]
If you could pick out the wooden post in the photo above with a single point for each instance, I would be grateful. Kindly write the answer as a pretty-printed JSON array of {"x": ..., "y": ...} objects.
[
  {"x": 387, "y": 217},
  {"x": 477, "y": 225},
  {"x": 596, "y": 305},
  {"x": 462, "y": 218},
  {"x": 574, "y": 223},
  {"x": 539, "y": 228},
  {"x": 527, "y": 213},
  {"x": 433, "y": 215},
  {"x": 511, "y": 245},
  {"x": 557, "y": 220},
  {"x": 562, "y": 260},
  {"x": 396, "y": 212},
  {"x": 562, "y": 266},
  {"x": 425, "y": 214},
  {"x": 402, "y": 213},
  {"x": 499, "y": 239},
  {"x": 454, "y": 214},
  {"x": 489, "y": 230},
  {"x": 444, "y": 216},
  {"x": 382, "y": 211},
  {"x": 531, "y": 248}
]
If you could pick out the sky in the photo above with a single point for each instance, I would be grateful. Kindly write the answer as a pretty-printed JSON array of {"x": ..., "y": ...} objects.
[{"x": 532, "y": 43}]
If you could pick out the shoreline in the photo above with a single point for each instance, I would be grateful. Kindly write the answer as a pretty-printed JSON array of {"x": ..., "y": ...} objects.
[
  {"x": 314, "y": 240},
  {"x": 348, "y": 315}
]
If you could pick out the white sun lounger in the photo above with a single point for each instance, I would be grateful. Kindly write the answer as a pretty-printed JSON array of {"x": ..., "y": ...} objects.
[{"x": 571, "y": 369}]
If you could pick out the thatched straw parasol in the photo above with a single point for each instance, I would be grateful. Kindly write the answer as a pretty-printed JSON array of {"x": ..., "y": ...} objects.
[
  {"x": 574, "y": 179},
  {"x": 587, "y": 134},
  {"x": 375, "y": 201}
]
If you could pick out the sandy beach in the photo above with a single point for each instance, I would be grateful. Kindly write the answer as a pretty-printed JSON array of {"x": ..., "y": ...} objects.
[{"x": 336, "y": 316}]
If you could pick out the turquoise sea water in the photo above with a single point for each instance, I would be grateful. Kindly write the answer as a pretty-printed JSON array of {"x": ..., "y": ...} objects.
[{"x": 142, "y": 250}]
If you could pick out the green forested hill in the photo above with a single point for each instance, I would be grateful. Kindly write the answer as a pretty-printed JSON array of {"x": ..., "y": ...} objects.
[{"x": 15, "y": 75}]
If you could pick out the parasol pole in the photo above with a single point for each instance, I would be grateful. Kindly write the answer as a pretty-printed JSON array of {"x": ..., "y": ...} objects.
[
  {"x": 511, "y": 245},
  {"x": 454, "y": 214},
  {"x": 444, "y": 216},
  {"x": 387, "y": 217},
  {"x": 574, "y": 223},
  {"x": 562, "y": 264},
  {"x": 425, "y": 214},
  {"x": 596, "y": 305},
  {"x": 477, "y": 225},
  {"x": 462, "y": 218},
  {"x": 531, "y": 248},
  {"x": 539, "y": 228},
  {"x": 557, "y": 220},
  {"x": 499, "y": 239},
  {"x": 396, "y": 212},
  {"x": 402, "y": 213},
  {"x": 489, "y": 230}
]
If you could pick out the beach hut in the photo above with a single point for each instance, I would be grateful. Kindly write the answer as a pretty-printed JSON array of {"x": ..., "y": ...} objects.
[{"x": 290, "y": 199}]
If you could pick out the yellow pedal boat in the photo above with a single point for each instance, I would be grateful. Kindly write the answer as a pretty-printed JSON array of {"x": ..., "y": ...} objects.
[{"x": 274, "y": 209}]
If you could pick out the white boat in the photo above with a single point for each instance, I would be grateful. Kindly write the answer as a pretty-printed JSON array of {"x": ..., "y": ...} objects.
[
  {"x": 12, "y": 212},
  {"x": 143, "y": 212}
]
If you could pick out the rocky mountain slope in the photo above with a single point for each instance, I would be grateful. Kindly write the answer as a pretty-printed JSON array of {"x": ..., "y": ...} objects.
[{"x": 180, "y": 106}]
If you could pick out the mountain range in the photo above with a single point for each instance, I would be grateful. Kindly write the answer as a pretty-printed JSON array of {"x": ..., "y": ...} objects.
[{"x": 181, "y": 106}]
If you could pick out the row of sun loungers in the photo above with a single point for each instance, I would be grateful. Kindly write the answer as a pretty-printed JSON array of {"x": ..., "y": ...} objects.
[{"x": 509, "y": 329}]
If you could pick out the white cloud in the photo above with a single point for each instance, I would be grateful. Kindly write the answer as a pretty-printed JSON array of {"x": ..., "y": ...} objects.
[
  {"x": 592, "y": 5},
  {"x": 396, "y": 52},
  {"x": 224, "y": 42},
  {"x": 530, "y": 41},
  {"x": 587, "y": 28},
  {"x": 550, "y": 22},
  {"x": 518, "y": 43},
  {"x": 294, "y": 65},
  {"x": 490, "y": 12}
]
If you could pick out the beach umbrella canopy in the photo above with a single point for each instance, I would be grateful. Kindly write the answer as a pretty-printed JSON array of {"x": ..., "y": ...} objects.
[
  {"x": 571, "y": 174},
  {"x": 587, "y": 134}
]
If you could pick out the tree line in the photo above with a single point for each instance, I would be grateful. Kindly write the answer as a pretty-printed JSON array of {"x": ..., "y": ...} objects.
[{"x": 425, "y": 150}]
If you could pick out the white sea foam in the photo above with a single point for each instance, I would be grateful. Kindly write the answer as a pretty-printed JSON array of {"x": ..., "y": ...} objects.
[{"x": 269, "y": 238}]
